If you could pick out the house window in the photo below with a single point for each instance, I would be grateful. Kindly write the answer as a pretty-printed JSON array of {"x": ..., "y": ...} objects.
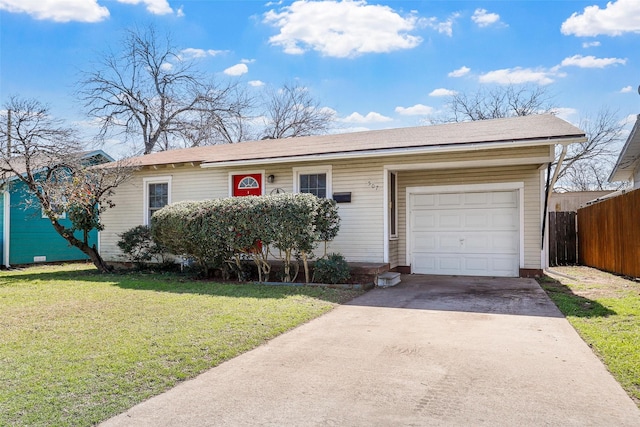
[
  {"x": 316, "y": 181},
  {"x": 248, "y": 182},
  {"x": 157, "y": 195},
  {"x": 393, "y": 204}
]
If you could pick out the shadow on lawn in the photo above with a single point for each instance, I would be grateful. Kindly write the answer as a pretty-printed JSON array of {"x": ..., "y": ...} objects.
[
  {"x": 181, "y": 283},
  {"x": 571, "y": 304}
]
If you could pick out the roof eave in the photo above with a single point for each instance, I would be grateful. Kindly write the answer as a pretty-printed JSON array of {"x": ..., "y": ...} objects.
[
  {"x": 449, "y": 148},
  {"x": 624, "y": 173}
]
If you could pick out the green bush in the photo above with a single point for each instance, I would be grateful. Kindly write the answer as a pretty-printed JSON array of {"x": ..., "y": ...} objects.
[
  {"x": 138, "y": 245},
  {"x": 221, "y": 233},
  {"x": 332, "y": 269}
]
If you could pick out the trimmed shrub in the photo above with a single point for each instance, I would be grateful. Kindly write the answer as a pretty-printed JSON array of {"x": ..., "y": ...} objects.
[
  {"x": 138, "y": 245},
  {"x": 221, "y": 233},
  {"x": 332, "y": 269}
]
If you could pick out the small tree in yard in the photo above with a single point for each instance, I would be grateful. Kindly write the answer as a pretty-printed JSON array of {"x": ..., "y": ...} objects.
[{"x": 40, "y": 152}]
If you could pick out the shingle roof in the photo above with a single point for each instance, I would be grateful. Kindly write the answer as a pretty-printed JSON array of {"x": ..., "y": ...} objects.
[{"x": 535, "y": 128}]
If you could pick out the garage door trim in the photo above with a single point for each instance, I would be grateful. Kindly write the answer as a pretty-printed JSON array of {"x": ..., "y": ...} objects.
[{"x": 469, "y": 188}]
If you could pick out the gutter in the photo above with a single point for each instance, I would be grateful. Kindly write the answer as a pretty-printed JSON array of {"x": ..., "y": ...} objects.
[{"x": 451, "y": 148}]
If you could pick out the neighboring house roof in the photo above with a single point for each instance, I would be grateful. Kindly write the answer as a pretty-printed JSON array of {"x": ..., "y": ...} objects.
[
  {"x": 629, "y": 158},
  {"x": 94, "y": 157},
  {"x": 496, "y": 133}
]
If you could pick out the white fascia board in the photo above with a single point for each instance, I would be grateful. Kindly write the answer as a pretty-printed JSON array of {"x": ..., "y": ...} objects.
[{"x": 451, "y": 148}]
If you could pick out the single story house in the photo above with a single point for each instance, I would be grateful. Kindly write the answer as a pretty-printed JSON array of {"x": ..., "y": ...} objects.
[
  {"x": 450, "y": 199},
  {"x": 627, "y": 167},
  {"x": 26, "y": 234}
]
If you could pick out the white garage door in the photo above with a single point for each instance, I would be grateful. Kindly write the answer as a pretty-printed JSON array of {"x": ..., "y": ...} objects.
[{"x": 472, "y": 234}]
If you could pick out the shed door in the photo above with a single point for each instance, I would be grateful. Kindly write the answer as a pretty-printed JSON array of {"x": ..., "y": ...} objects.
[
  {"x": 470, "y": 234},
  {"x": 247, "y": 185}
]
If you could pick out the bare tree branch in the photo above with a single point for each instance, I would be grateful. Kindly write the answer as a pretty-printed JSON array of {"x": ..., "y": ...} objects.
[
  {"x": 291, "y": 111},
  {"x": 40, "y": 152},
  {"x": 150, "y": 94}
]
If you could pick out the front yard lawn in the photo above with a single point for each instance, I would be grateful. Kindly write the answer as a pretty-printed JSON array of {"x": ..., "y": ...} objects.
[
  {"x": 77, "y": 347},
  {"x": 605, "y": 310}
]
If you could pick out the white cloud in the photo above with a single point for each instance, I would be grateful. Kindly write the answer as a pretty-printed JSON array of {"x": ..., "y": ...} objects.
[
  {"x": 180, "y": 12},
  {"x": 256, "y": 83},
  {"x": 157, "y": 7},
  {"x": 462, "y": 71},
  {"x": 416, "y": 110},
  {"x": 617, "y": 18},
  {"x": 371, "y": 117},
  {"x": 237, "y": 70},
  {"x": 483, "y": 19},
  {"x": 247, "y": 61},
  {"x": 58, "y": 11},
  {"x": 442, "y": 92},
  {"x": 191, "y": 53},
  {"x": 167, "y": 66},
  {"x": 443, "y": 27},
  {"x": 520, "y": 75},
  {"x": 590, "y": 44},
  {"x": 341, "y": 28},
  {"x": 78, "y": 10},
  {"x": 626, "y": 89},
  {"x": 590, "y": 61}
]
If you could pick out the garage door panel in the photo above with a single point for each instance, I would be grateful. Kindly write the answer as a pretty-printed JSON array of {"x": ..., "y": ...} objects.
[
  {"x": 464, "y": 219},
  {"x": 470, "y": 265},
  {"x": 479, "y": 242},
  {"x": 465, "y": 233}
]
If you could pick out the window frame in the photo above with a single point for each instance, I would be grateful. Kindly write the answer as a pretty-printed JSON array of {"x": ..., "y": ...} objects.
[
  {"x": 326, "y": 169},
  {"x": 393, "y": 205},
  {"x": 146, "y": 219}
]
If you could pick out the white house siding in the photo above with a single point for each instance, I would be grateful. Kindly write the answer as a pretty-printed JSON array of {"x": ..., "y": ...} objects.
[
  {"x": 362, "y": 233},
  {"x": 529, "y": 175}
]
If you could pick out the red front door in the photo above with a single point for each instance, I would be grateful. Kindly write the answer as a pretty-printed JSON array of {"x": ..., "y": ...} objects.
[{"x": 247, "y": 185}]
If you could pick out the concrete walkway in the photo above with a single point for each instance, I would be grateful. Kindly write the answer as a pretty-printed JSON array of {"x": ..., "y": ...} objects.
[{"x": 433, "y": 351}]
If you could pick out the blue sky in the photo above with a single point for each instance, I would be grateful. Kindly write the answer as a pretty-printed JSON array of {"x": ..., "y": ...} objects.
[{"x": 378, "y": 64}]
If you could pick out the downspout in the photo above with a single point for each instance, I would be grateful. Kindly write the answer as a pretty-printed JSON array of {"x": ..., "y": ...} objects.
[{"x": 549, "y": 190}]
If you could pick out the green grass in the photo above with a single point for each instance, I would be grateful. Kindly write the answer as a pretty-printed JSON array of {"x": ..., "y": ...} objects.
[
  {"x": 607, "y": 317},
  {"x": 77, "y": 347}
]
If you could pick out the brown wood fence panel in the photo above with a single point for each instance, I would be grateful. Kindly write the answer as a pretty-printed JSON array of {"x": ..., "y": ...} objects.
[
  {"x": 609, "y": 235},
  {"x": 563, "y": 245}
]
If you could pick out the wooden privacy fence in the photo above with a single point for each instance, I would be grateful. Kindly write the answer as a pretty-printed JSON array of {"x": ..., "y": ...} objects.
[
  {"x": 609, "y": 234},
  {"x": 563, "y": 245}
]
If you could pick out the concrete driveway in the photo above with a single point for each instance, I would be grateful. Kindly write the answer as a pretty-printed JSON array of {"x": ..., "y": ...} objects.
[{"x": 432, "y": 351}]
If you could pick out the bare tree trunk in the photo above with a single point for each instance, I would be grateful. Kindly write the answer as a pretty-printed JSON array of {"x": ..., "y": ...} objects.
[{"x": 90, "y": 251}]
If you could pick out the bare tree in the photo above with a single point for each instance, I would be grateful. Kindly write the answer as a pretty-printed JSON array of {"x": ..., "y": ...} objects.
[
  {"x": 585, "y": 165},
  {"x": 507, "y": 101},
  {"x": 150, "y": 93},
  {"x": 291, "y": 111},
  {"x": 40, "y": 152}
]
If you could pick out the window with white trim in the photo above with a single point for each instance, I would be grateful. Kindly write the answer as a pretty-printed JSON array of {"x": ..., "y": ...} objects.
[
  {"x": 393, "y": 204},
  {"x": 157, "y": 194},
  {"x": 316, "y": 181}
]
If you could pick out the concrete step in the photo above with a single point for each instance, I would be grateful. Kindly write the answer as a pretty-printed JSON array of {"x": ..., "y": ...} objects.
[{"x": 388, "y": 279}]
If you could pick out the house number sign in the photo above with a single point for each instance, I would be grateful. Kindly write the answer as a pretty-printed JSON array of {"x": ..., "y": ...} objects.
[{"x": 373, "y": 185}]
